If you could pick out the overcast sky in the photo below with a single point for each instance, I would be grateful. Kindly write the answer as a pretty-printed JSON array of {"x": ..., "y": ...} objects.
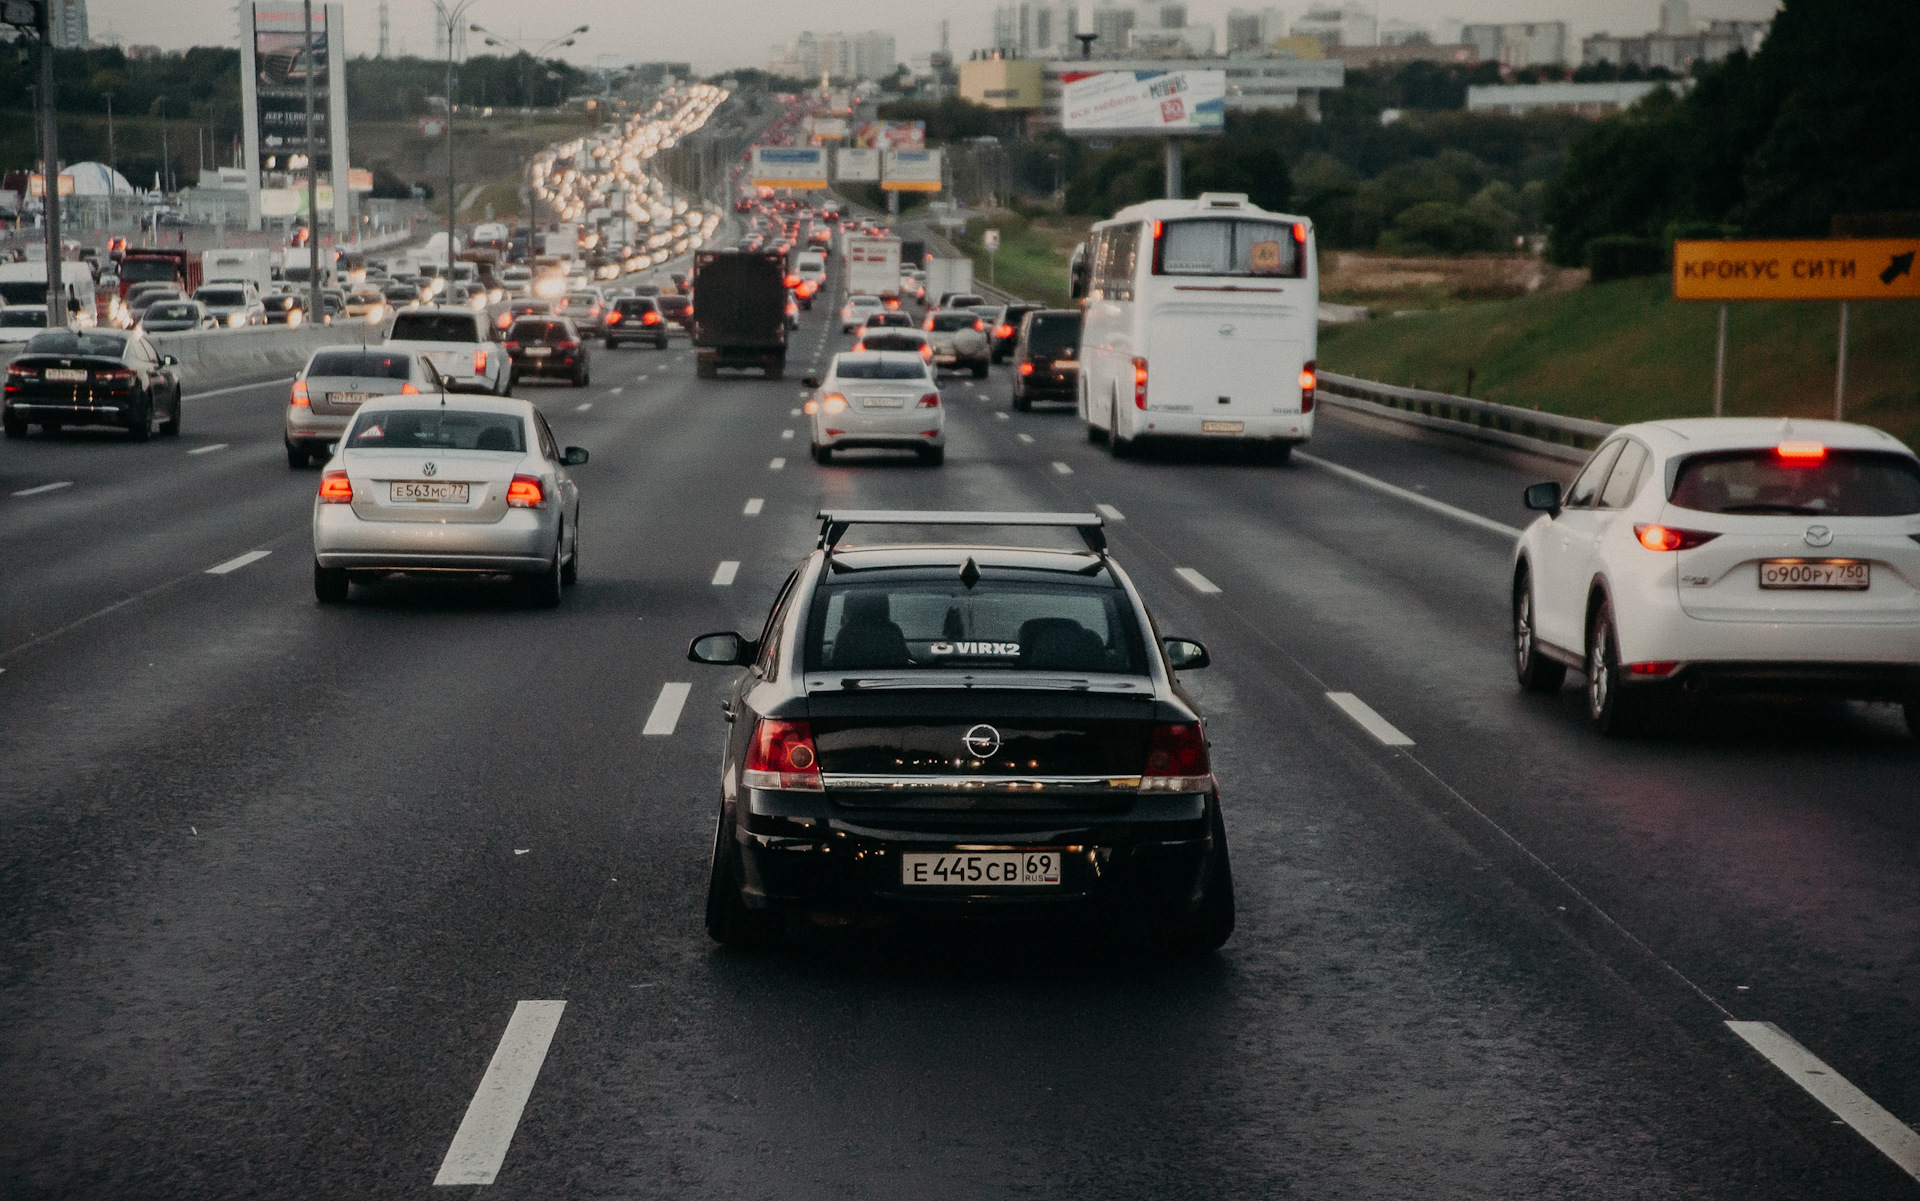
[{"x": 716, "y": 34}]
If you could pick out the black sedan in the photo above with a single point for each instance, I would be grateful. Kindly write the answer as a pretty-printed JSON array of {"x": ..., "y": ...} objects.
[
  {"x": 964, "y": 729},
  {"x": 92, "y": 377},
  {"x": 547, "y": 347}
]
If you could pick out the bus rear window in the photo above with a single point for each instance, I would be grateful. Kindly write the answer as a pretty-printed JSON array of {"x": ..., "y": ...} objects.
[{"x": 1229, "y": 246}]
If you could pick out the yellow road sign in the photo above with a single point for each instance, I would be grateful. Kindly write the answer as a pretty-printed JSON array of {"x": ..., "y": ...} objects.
[{"x": 1809, "y": 269}]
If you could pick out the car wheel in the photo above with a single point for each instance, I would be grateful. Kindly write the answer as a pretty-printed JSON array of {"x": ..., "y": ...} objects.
[
  {"x": 1537, "y": 672},
  {"x": 611, "y": 344},
  {"x": 823, "y": 455},
  {"x": 141, "y": 427},
  {"x": 1023, "y": 404},
  {"x": 660, "y": 345},
  {"x": 543, "y": 590},
  {"x": 1614, "y": 710},
  {"x": 1118, "y": 446},
  {"x": 979, "y": 371},
  {"x": 729, "y": 922},
  {"x": 170, "y": 428},
  {"x": 15, "y": 427},
  {"x": 298, "y": 456},
  {"x": 1208, "y": 927},
  {"x": 933, "y": 456},
  {"x": 329, "y": 585}
]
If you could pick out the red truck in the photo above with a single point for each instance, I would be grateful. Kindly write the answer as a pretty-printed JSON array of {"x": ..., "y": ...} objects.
[{"x": 181, "y": 268}]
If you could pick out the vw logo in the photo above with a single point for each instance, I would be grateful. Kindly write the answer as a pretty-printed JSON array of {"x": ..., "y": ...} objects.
[
  {"x": 1226, "y": 331},
  {"x": 1818, "y": 535},
  {"x": 429, "y": 469},
  {"x": 981, "y": 741}
]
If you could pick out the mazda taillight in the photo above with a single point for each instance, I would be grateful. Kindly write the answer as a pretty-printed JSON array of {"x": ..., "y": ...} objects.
[
  {"x": 781, "y": 755},
  {"x": 1177, "y": 760},
  {"x": 299, "y": 398},
  {"x": 1308, "y": 378},
  {"x": 336, "y": 489},
  {"x": 1139, "y": 383},
  {"x": 1661, "y": 537},
  {"x": 524, "y": 492}
]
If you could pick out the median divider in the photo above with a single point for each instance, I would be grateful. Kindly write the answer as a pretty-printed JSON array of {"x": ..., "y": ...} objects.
[{"x": 216, "y": 358}]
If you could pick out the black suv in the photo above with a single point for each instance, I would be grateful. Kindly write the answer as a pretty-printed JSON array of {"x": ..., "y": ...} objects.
[
  {"x": 1046, "y": 357},
  {"x": 636, "y": 319},
  {"x": 1006, "y": 331},
  {"x": 964, "y": 729},
  {"x": 547, "y": 347}
]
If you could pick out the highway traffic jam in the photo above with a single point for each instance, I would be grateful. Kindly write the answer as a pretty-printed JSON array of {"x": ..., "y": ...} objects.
[{"x": 716, "y": 700}]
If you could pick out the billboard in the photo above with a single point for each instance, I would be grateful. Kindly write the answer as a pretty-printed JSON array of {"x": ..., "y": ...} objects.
[
  {"x": 1143, "y": 102},
  {"x": 275, "y": 69},
  {"x": 822, "y": 129},
  {"x": 856, "y": 166},
  {"x": 789, "y": 167},
  {"x": 911, "y": 171},
  {"x": 893, "y": 135}
]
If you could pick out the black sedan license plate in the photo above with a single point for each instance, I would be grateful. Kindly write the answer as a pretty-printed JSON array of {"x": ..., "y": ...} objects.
[
  {"x": 1844, "y": 574},
  {"x": 982, "y": 868}
]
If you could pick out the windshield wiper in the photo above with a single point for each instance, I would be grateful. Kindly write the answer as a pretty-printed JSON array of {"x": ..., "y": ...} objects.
[{"x": 1791, "y": 510}]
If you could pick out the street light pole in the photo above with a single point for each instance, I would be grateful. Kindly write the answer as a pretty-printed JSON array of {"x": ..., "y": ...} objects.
[
  {"x": 526, "y": 105},
  {"x": 112, "y": 167},
  {"x": 314, "y": 298},
  {"x": 50, "y": 170}
]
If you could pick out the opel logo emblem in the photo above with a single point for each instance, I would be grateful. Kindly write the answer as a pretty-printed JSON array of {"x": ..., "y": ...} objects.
[
  {"x": 982, "y": 741},
  {"x": 429, "y": 469},
  {"x": 1818, "y": 535}
]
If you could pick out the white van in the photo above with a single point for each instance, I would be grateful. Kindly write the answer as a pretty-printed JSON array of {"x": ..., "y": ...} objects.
[
  {"x": 26, "y": 284},
  {"x": 1201, "y": 322}
]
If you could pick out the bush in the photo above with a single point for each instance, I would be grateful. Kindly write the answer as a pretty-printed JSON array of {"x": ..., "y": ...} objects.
[
  {"x": 1437, "y": 227},
  {"x": 1623, "y": 256}
]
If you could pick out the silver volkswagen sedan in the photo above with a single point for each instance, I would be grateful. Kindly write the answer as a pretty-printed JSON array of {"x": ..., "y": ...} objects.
[
  {"x": 463, "y": 485},
  {"x": 336, "y": 382}
]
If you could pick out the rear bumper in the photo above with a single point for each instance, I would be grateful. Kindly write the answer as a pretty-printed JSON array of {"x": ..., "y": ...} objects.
[
  {"x": 522, "y": 541},
  {"x": 117, "y": 411},
  {"x": 551, "y": 365},
  {"x": 1853, "y": 681},
  {"x": 1277, "y": 427}
]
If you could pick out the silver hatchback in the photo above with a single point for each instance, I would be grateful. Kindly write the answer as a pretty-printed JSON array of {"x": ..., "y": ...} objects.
[
  {"x": 422, "y": 485},
  {"x": 333, "y": 386}
]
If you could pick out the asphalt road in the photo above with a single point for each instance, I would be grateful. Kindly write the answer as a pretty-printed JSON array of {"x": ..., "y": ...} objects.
[{"x": 276, "y": 878}]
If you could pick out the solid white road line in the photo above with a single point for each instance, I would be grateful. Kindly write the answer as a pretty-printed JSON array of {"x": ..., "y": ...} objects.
[
  {"x": 53, "y": 487},
  {"x": 1111, "y": 513},
  {"x": 265, "y": 383},
  {"x": 1425, "y": 502},
  {"x": 786, "y": 435},
  {"x": 666, "y": 710},
  {"x": 1062, "y": 468},
  {"x": 207, "y": 450},
  {"x": 1199, "y": 582},
  {"x": 776, "y": 464},
  {"x": 754, "y": 505},
  {"x": 583, "y": 407},
  {"x": 237, "y": 562},
  {"x": 1892, "y": 1137},
  {"x": 1370, "y": 721},
  {"x": 1024, "y": 437},
  {"x": 480, "y": 1145},
  {"x": 723, "y": 574}
]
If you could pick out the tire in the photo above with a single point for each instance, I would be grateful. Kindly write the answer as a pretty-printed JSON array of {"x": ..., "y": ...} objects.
[
  {"x": 729, "y": 922},
  {"x": 823, "y": 455},
  {"x": 611, "y": 344},
  {"x": 1119, "y": 447},
  {"x": 776, "y": 370},
  {"x": 543, "y": 591},
  {"x": 170, "y": 428},
  {"x": 933, "y": 456},
  {"x": 661, "y": 344},
  {"x": 979, "y": 371},
  {"x": 703, "y": 369},
  {"x": 298, "y": 456},
  {"x": 329, "y": 585},
  {"x": 1208, "y": 927},
  {"x": 1022, "y": 404},
  {"x": 15, "y": 427},
  {"x": 1615, "y": 710},
  {"x": 1537, "y": 673},
  {"x": 140, "y": 429}
]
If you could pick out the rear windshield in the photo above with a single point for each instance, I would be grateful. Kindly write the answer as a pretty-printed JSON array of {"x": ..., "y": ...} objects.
[
  {"x": 1008, "y": 626},
  {"x": 634, "y": 304},
  {"x": 361, "y": 363},
  {"x": 221, "y": 296},
  {"x": 402, "y": 292},
  {"x": 148, "y": 269},
  {"x": 948, "y": 322},
  {"x": 1051, "y": 334},
  {"x": 23, "y": 291},
  {"x": 884, "y": 339},
  {"x": 538, "y": 331},
  {"x": 1840, "y": 483},
  {"x": 434, "y": 327},
  {"x": 1229, "y": 246},
  {"x": 172, "y": 312},
  {"x": 897, "y": 320},
  {"x": 880, "y": 369},
  {"x": 439, "y": 429},
  {"x": 61, "y": 341},
  {"x": 23, "y": 318}
]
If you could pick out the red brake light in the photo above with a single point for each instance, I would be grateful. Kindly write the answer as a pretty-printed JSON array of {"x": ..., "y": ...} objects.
[
  {"x": 1802, "y": 452},
  {"x": 926, "y": 352},
  {"x": 1139, "y": 383},
  {"x": 929, "y": 325},
  {"x": 793, "y": 281},
  {"x": 1665, "y": 538},
  {"x": 336, "y": 489},
  {"x": 649, "y": 318},
  {"x": 479, "y": 362},
  {"x": 1003, "y": 331},
  {"x": 613, "y": 318},
  {"x": 1308, "y": 378},
  {"x": 299, "y": 398},
  {"x": 1177, "y": 760},
  {"x": 1026, "y": 369},
  {"x": 1300, "y": 232},
  {"x": 1663, "y": 668},
  {"x": 409, "y": 390},
  {"x": 781, "y": 755},
  {"x": 524, "y": 492},
  {"x": 504, "y": 321},
  {"x": 979, "y": 325},
  {"x": 930, "y": 401}
]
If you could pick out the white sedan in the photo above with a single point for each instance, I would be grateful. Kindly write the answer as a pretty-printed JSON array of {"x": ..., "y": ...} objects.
[
  {"x": 855, "y": 312},
  {"x": 1723, "y": 556},
  {"x": 886, "y": 400}
]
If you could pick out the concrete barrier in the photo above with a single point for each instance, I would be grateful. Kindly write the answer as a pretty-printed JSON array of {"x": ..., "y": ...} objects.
[{"x": 219, "y": 358}]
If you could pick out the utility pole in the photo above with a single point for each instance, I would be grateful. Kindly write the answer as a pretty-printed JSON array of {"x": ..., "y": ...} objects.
[
  {"x": 315, "y": 301},
  {"x": 112, "y": 167},
  {"x": 166, "y": 156},
  {"x": 50, "y": 171}
]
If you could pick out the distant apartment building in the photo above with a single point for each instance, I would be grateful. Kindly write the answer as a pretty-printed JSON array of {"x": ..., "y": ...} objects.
[
  {"x": 869, "y": 55},
  {"x": 1112, "y": 26},
  {"x": 1518, "y": 43},
  {"x": 1401, "y": 53},
  {"x": 1034, "y": 30},
  {"x": 1677, "y": 44},
  {"x": 1338, "y": 25},
  {"x": 874, "y": 55},
  {"x": 1254, "y": 29}
]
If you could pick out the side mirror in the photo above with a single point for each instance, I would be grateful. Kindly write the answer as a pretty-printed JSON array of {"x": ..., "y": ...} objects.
[
  {"x": 1184, "y": 654},
  {"x": 573, "y": 456},
  {"x": 167, "y": 360},
  {"x": 812, "y": 381},
  {"x": 722, "y": 650},
  {"x": 1544, "y": 498}
]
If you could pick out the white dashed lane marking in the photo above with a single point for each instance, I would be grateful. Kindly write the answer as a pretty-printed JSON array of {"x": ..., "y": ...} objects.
[
  {"x": 776, "y": 464},
  {"x": 786, "y": 435},
  {"x": 583, "y": 408},
  {"x": 1199, "y": 582},
  {"x": 1062, "y": 468},
  {"x": 207, "y": 450},
  {"x": 1002, "y": 417},
  {"x": 1024, "y": 437},
  {"x": 53, "y": 487},
  {"x": 1369, "y": 721},
  {"x": 723, "y": 574},
  {"x": 480, "y": 1145},
  {"x": 666, "y": 710},
  {"x": 754, "y": 505},
  {"x": 615, "y": 391},
  {"x": 1111, "y": 513},
  {"x": 237, "y": 562}
]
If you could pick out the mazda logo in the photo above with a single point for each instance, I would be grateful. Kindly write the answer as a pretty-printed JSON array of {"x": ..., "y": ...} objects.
[
  {"x": 1818, "y": 535},
  {"x": 981, "y": 741},
  {"x": 429, "y": 469}
]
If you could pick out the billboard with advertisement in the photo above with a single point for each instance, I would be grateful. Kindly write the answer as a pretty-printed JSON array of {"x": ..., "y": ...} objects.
[
  {"x": 856, "y": 166},
  {"x": 1143, "y": 102},
  {"x": 911, "y": 171},
  {"x": 789, "y": 167},
  {"x": 275, "y": 70},
  {"x": 893, "y": 135}
]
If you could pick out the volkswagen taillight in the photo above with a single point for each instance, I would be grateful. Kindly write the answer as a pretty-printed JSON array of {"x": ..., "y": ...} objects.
[
  {"x": 781, "y": 755},
  {"x": 336, "y": 489},
  {"x": 524, "y": 492},
  {"x": 1177, "y": 760}
]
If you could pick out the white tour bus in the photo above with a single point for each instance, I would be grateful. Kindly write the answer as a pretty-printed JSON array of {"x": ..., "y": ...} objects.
[{"x": 1201, "y": 322}]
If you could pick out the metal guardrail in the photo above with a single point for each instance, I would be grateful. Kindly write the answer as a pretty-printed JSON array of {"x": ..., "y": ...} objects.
[{"x": 1570, "y": 437}]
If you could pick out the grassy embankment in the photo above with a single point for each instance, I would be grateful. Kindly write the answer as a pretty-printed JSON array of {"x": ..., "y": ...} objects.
[
  {"x": 1032, "y": 261},
  {"x": 1627, "y": 351}
]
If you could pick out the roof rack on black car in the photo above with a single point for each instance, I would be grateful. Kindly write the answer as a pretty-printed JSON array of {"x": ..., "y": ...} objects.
[{"x": 834, "y": 523}]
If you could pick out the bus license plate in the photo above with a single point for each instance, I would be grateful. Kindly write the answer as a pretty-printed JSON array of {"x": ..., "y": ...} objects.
[
  {"x": 982, "y": 869},
  {"x": 1223, "y": 427},
  {"x": 429, "y": 492},
  {"x": 1844, "y": 574}
]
